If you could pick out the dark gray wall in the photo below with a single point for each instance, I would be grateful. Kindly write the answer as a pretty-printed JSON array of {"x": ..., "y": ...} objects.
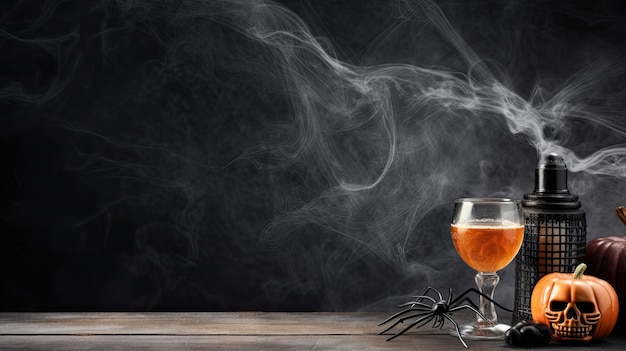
[{"x": 226, "y": 155}]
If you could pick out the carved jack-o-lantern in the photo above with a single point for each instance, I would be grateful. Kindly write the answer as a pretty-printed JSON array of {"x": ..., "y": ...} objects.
[
  {"x": 572, "y": 311},
  {"x": 577, "y": 308}
]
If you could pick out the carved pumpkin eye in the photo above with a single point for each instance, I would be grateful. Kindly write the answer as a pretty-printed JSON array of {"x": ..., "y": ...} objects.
[
  {"x": 586, "y": 307},
  {"x": 558, "y": 305}
]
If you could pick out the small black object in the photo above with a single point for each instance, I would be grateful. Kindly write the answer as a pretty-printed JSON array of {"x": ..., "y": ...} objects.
[
  {"x": 528, "y": 334},
  {"x": 438, "y": 309}
]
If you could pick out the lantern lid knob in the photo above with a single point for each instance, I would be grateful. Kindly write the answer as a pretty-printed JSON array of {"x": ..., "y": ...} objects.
[
  {"x": 551, "y": 185},
  {"x": 551, "y": 175}
]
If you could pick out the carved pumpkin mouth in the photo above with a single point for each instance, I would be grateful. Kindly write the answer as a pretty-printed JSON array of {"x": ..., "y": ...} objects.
[{"x": 569, "y": 332}]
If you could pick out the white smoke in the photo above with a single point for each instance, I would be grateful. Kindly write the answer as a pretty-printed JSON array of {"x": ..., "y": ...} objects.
[
  {"x": 319, "y": 165},
  {"x": 385, "y": 146}
]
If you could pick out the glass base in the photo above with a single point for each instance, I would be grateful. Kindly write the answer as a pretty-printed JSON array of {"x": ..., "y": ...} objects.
[{"x": 474, "y": 331}]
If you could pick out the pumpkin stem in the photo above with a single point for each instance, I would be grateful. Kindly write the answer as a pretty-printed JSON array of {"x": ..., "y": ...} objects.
[
  {"x": 621, "y": 213},
  {"x": 580, "y": 269}
]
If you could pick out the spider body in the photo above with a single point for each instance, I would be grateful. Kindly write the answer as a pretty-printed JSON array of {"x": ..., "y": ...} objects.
[
  {"x": 426, "y": 308},
  {"x": 440, "y": 307}
]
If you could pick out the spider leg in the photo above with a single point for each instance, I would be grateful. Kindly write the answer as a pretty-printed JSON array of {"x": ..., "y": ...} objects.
[
  {"x": 472, "y": 307},
  {"x": 401, "y": 320},
  {"x": 405, "y": 312},
  {"x": 458, "y": 300},
  {"x": 418, "y": 323},
  {"x": 439, "y": 321},
  {"x": 430, "y": 288},
  {"x": 456, "y": 327},
  {"x": 465, "y": 299},
  {"x": 415, "y": 303},
  {"x": 419, "y": 299}
]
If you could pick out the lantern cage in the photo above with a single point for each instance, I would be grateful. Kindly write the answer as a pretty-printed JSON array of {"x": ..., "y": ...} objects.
[
  {"x": 553, "y": 242},
  {"x": 555, "y": 234}
]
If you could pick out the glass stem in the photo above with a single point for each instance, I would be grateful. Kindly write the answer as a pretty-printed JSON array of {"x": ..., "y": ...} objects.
[{"x": 486, "y": 283}]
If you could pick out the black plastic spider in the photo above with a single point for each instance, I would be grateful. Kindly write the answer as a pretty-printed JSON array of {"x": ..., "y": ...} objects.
[{"x": 440, "y": 310}]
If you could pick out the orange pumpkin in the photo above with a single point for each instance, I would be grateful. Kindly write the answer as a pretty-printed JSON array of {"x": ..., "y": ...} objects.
[{"x": 576, "y": 307}]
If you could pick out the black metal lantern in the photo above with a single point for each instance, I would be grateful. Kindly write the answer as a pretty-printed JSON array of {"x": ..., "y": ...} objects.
[{"x": 555, "y": 233}]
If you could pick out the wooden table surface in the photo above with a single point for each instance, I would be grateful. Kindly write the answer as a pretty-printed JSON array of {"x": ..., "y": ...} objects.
[{"x": 230, "y": 331}]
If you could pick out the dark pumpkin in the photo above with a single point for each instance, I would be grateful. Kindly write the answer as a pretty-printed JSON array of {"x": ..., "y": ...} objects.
[{"x": 606, "y": 259}]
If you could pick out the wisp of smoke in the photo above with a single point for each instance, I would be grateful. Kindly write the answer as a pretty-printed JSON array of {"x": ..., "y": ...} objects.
[
  {"x": 386, "y": 145},
  {"x": 351, "y": 124},
  {"x": 251, "y": 123}
]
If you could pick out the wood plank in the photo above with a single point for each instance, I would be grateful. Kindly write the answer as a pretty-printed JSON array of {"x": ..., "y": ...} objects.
[
  {"x": 261, "y": 342},
  {"x": 222, "y": 342},
  {"x": 228, "y": 331},
  {"x": 242, "y": 323}
]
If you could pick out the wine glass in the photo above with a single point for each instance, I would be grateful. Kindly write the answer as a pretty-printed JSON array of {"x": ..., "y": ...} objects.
[{"x": 487, "y": 233}]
